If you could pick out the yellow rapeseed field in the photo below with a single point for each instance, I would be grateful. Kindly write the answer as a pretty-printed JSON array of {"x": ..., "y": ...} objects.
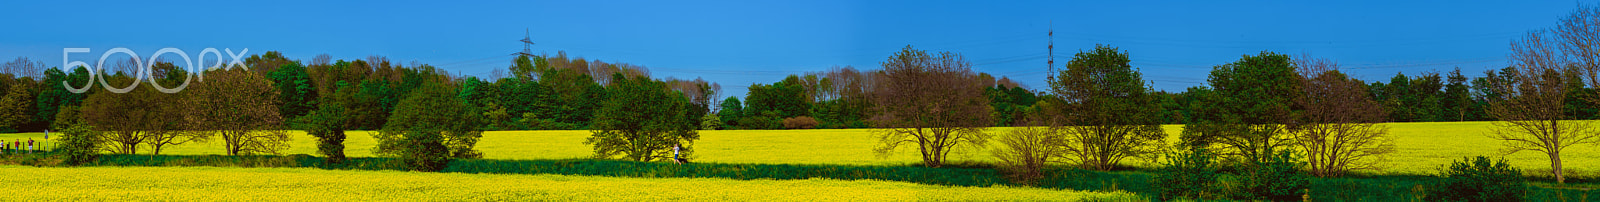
[
  {"x": 299, "y": 184},
  {"x": 1422, "y": 148}
]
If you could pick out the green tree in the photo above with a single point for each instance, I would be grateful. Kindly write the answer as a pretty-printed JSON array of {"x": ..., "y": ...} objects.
[
  {"x": 641, "y": 121},
  {"x": 16, "y": 105},
  {"x": 1457, "y": 99},
  {"x": 430, "y": 127},
  {"x": 296, "y": 96},
  {"x": 710, "y": 122},
  {"x": 1251, "y": 106},
  {"x": 787, "y": 97},
  {"x": 731, "y": 112},
  {"x": 328, "y": 123},
  {"x": 53, "y": 96},
  {"x": 1427, "y": 104},
  {"x": 1109, "y": 113}
]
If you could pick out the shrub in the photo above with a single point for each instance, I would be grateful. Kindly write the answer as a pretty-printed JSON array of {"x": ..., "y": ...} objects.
[
  {"x": 533, "y": 122},
  {"x": 1024, "y": 151},
  {"x": 1476, "y": 179},
  {"x": 79, "y": 143},
  {"x": 1277, "y": 179},
  {"x": 710, "y": 122},
  {"x": 1187, "y": 175},
  {"x": 758, "y": 122},
  {"x": 424, "y": 151},
  {"x": 429, "y": 127},
  {"x": 801, "y": 122}
]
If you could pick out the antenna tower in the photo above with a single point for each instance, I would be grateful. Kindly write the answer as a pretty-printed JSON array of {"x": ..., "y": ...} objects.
[
  {"x": 1051, "y": 62},
  {"x": 527, "y": 44}
]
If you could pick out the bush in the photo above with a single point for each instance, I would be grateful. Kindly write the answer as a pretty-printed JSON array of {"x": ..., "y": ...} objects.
[
  {"x": 1476, "y": 179},
  {"x": 758, "y": 122},
  {"x": 424, "y": 151},
  {"x": 532, "y": 122},
  {"x": 710, "y": 122},
  {"x": 1023, "y": 153},
  {"x": 1187, "y": 175},
  {"x": 801, "y": 122},
  {"x": 429, "y": 127},
  {"x": 1278, "y": 179},
  {"x": 79, "y": 144}
]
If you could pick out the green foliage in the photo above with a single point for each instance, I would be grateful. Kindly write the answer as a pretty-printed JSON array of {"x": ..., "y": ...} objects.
[
  {"x": 1248, "y": 108},
  {"x": 731, "y": 112},
  {"x": 520, "y": 98},
  {"x": 763, "y": 120},
  {"x": 1479, "y": 179},
  {"x": 1189, "y": 175},
  {"x": 79, "y": 143},
  {"x": 786, "y": 97},
  {"x": 641, "y": 121},
  {"x": 1010, "y": 104},
  {"x": 1112, "y": 115},
  {"x": 16, "y": 104},
  {"x": 848, "y": 112},
  {"x": 327, "y": 123},
  {"x": 710, "y": 122},
  {"x": 1277, "y": 179},
  {"x": 423, "y": 151},
  {"x": 430, "y": 126},
  {"x": 53, "y": 96},
  {"x": 533, "y": 122},
  {"x": 1456, "y": 102},
  {"x": 371, "y": 104},
  {"x": 575, "y": 96},
  {"x": 1423, "y": 98},
  {"x": 296, "y": 96}
]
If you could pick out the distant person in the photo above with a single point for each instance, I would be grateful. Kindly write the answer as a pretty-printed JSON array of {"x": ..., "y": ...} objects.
[
  {"x": 675, "y": 157},
  {"x": 30, "y": 145}
]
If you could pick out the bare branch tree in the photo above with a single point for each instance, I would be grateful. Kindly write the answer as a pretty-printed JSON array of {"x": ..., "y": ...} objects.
[
  {"x": 1531, "y": 117},
  {"x": 322, "y": 60},
  {"x": 932, "y": 101},
  {"x": 23, "y": 67},
  {"x": 1341, "y": 130}
]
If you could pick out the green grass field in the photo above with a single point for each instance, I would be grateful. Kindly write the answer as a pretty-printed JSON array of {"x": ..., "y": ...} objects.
[
  {"x": 1422, "y": 147},
  {"x": 302, "y": 184}
]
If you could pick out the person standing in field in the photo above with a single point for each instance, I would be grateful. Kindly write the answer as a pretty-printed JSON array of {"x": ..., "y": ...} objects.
[
  {"x": 30, "y": 145},
  {"x": 675, "y": 154}
]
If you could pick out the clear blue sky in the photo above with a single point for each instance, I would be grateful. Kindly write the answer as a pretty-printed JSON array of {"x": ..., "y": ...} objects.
[{"x": 737, "y": 43}]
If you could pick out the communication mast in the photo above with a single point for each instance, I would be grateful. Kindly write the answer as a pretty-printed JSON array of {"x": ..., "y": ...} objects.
[
  {"x": 1051, "y": 62},
  {"x": 527, "y": 44}
]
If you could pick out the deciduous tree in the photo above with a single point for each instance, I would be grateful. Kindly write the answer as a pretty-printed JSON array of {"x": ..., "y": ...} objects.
[
  {"x": 239, "y": 107},
  {"x": 430, "y": 127},
  {"x": 932, "y": 102},
  {"x": 1532, "y": 117},
  {"x": 1341, "y": 130},
  {"x": 641, "y": 121},
  {"x": 1250, "y": 108},
  {"x": 1108, "y": 113}
]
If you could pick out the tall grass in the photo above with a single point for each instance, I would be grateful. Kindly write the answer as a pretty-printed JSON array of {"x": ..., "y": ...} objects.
[{"x": 1352, "y": 188}]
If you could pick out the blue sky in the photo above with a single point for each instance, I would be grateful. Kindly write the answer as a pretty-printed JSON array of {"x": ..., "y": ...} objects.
[{"x": 736, "y": 43}]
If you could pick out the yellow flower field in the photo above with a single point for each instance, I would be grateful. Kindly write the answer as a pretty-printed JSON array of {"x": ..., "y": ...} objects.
[
  {"x": 1422, "y": 147},
  {"x": 299, "y": 184}
]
